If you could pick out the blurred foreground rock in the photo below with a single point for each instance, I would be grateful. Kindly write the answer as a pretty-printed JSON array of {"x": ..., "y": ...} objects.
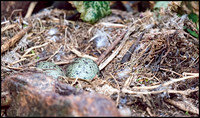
[{"x": 34, "y": 94}]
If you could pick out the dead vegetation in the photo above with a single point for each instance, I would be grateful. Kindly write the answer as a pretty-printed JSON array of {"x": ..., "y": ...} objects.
[{"x": 159, "y": 77}]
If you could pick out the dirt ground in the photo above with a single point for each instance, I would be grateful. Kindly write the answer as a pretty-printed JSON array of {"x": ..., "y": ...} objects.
[{"x": 159, "y": 77}]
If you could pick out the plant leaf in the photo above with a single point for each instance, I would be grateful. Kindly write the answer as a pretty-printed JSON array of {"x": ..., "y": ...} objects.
[
  {"x": 193, "y": 17},
  {"x": 92, "y": 11},
  {"x": 193, "y": 33}
]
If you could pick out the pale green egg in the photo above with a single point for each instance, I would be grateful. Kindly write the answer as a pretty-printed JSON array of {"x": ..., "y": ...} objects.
[
  {"x": 50, "y": 69},
  {"x": 83, "y": 68}
]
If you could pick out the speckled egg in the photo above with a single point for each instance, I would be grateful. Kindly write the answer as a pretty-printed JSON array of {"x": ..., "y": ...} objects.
[
  {"x": 83, "y": 68},
  {"x": 50, "y": 69}
]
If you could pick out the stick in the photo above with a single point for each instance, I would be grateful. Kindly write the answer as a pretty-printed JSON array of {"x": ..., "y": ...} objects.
[
  {"x": 54, "y": 53},
  {"x": 184, "y": 105},
  {"x": 30, "y": 9},
  {"x": 136, "y": 92},
  {"x": 171, "y": 71},
  {"x": 167, "y": 83},
  {"x": 118, "y": 96},
  {"x": 38, "y": 46},
  {"x": 128, "y": 54},
  {"x": 110, "y": 58},
  {"x": 194, "y": 40},
  {"x": 29, "y": 64},
  {"x": 129, "y": 32},
  {"x": 14, "y": 39},
  {"x": 82, "y": 54},
  {"x": 8, "y": 27},
  {"x": 110, "y": 48},
  {"x": 108, "y": 24}
]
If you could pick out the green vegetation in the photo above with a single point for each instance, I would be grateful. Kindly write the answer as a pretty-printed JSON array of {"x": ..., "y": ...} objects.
[{"x": 92, "y": 11}]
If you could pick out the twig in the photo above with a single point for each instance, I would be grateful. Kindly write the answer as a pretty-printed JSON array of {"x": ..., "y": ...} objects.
[
  {"x": 29, "y": 64},
  {"x": 193, "y": 40},
  {"x": 195, "y": 61},
  {"x": 38, "y": 46},
  {"x": 118, "y": 89},
  {"x": 5, "y": 22},
  {"x": 103, "y": 55},
  {"x": 128, "y": 81},
  {"x": 14, "y": 68},
  {"x": 88, "y": 81},
  {"x": 128, "y": 54},
  {"x": 55, "y": 53},
  {"x": 127, "y": 33},
  {"x": 25, "y": 54},
  {"x": 167, "y": 83},
  {"x": 29, "y": 55},
  {"x": 113, "y": 25},
  {"x": 180, "y": 79},
  {"x": 171, "y": 71},
  {"x": 191, "y": 74},
  {"x": 184, "y": 105},
  {"x": 149, "y": 112},
  {"x": 14, "y": 39},
  {"x": 81, "y": 54},
  {"x": 8, "y": 27},
  {"x": 186, "y": 92},
  {"x": 22, "y": 59},
  {"x": 74, "y": 81},
  {"x": 30, "y": 9},
  {"x": 63, "y": 62},
  {"x": 141, "y": 54},
  {"x": 112, "y": 56},
  {"x": 131, "y": 30},
  {"x": 158, "y": 33},
  {"x": 168, "y": 46},
  {"x": 16, "y": 10}
]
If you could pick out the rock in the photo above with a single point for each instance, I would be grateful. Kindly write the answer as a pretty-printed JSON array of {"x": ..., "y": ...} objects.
[{"x": 34, "y": 94}]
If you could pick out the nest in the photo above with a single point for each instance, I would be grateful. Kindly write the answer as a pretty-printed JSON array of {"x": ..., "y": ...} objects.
[{"x": 158, "y": 78}]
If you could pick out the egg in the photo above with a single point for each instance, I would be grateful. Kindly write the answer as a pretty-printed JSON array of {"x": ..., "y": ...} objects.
[
  {"x": 50, "y": 69},
  {"x": 83, "y": 68}
]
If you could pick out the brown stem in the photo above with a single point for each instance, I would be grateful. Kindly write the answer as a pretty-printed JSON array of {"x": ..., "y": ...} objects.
[
  {"x": 14, "y": 39},
  {"x": 127, "y": 56},
  {"x": 103, "y": 55}
]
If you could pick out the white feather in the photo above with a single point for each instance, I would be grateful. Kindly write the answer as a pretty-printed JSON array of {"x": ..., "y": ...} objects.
[
  {"x": 53, "y": 31},
  {"x": 124, "y": 73},
  {"x": 101, "y": 39}
]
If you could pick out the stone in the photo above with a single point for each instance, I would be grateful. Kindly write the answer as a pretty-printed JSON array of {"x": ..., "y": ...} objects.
[{"x": 36, "y": 94}]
